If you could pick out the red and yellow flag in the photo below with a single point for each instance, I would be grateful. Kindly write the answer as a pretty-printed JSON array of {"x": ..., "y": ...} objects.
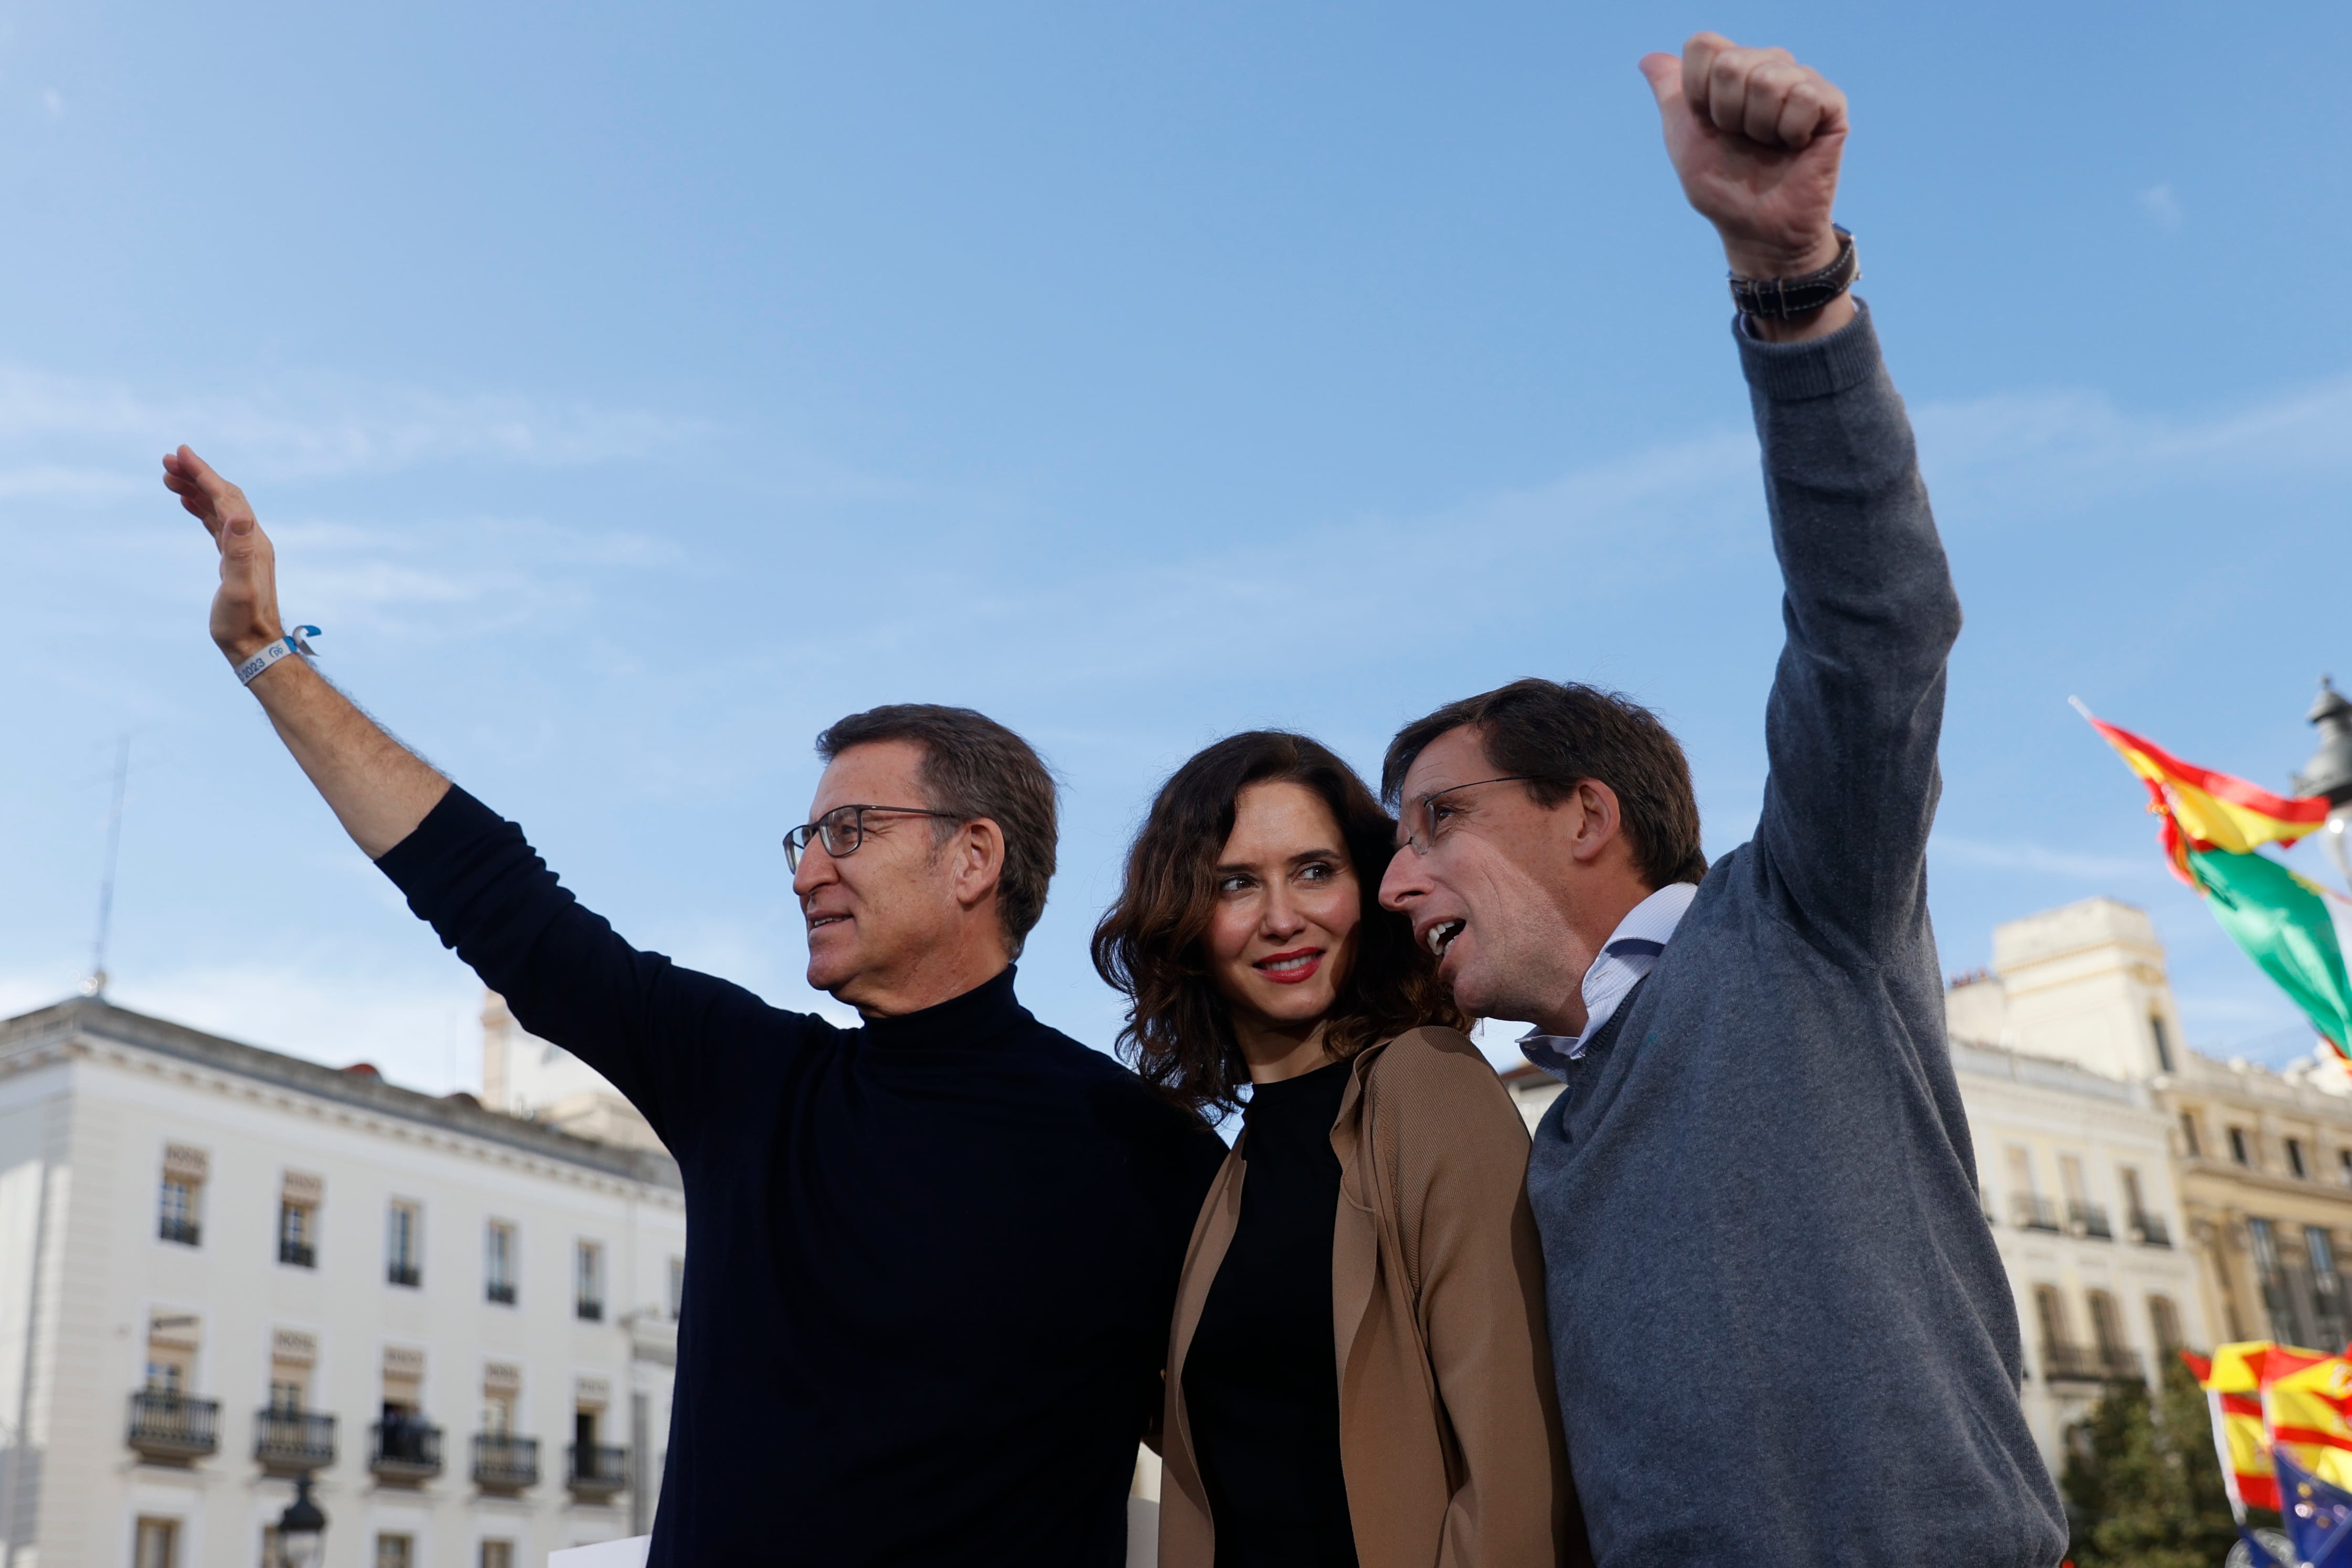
[
  {"x": 2307, "y": 1411},
  {"x": 2211, "y": 811},
  {"x": 2232, "y": 1384}
]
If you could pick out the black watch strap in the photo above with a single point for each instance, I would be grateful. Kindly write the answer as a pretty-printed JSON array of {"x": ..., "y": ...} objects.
[{"x": 1781, "y": 297}]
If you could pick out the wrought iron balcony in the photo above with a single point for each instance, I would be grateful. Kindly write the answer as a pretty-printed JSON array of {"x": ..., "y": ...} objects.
[
  {"x": 597, "y": 1470},
  {"x": 186, "y": 1232},
  {"x": 502, "y": 1291},
  {"x": 2149, "y": 1229},
  {"x": 172, "y": 1428},
  {"x": 293, "y": 1442},
  {"x": 2089, "y": 1219},
  {"x": 407, "y": 1274},
  {"x": 2031, "y": 1213},
  {"x": 302, "y": 1254},
  {"x": 2071, "y": 1363},
  {"x": 503, "y": 1462},
  {"x": 406, "y": 1450}
]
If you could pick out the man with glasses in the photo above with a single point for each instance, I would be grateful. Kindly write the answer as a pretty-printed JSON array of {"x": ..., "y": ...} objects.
[
  {"x": 1780, "y": 1331},
  {"x": 929, "y": 1262}
]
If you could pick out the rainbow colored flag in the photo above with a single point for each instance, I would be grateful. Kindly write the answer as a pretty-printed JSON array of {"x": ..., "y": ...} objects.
[{"x": 2297, "y": 932}]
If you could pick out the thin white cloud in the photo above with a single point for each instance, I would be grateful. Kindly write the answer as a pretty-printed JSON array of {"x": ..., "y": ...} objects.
[
  {"x": 307, "y": 427},
  {"x": 2162, "y": 205}
]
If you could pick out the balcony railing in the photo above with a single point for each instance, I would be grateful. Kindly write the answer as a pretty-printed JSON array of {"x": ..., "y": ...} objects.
[
  {"x": 186, "y": 1232},
  {"x": 407, "y": 1450},
  {"x": 2030, "y": 1213},
  {"x": 302, "y": 1254},
  {"x": 2149, "y": 1229},
  {"x": 174, "y": 1427},
  {"x": 588, "y": 1310},
  {"x": 597, "y": 1469},
  {"x": 407, "y": 1274},
  {"x": 292, "y": 1442},
  {"x": 2070, "y": 1363},
  {"x": 2089, "y": 1219},
  {"x": 505, "y": 1463},
  {"x": 2120, "y": 1363},
  {"x": 502, "y": 1291}
]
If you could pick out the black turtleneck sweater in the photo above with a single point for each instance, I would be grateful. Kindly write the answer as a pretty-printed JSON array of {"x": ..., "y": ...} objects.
[
  {"x": 930, "y": 1262},
  {"x": 1261, "y": 1374}
]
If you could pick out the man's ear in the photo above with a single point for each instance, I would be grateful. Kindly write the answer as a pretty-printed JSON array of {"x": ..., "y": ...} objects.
[
  {"x": 1602, "y": 822},
  {"x": 979, "y": 851}
]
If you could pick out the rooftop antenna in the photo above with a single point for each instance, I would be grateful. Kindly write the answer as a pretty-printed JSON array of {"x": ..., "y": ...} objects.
[{"x": 96, "y": 985}]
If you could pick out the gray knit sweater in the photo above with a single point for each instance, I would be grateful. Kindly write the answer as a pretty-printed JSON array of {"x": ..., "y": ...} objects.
[{"x": 1781, "y": 1332}]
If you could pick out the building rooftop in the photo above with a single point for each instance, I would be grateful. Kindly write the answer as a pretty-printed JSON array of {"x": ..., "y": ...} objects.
[{"x": 359, "y": 1086}]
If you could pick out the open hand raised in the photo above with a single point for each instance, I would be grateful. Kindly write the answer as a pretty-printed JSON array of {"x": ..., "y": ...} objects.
[
  {"x": 245, "y": 611},
  {"x": 1756, "y": 139}
]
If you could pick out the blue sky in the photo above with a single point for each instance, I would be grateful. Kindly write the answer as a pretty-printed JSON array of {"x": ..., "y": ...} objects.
[{"x": 634, "y": 391}]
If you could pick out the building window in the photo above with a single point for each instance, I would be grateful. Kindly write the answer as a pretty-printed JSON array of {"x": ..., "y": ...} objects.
[
  {"x": 394, "y": 1551},
  {"x": 158, "y": 1543},
  {"x": 498, "y": 1263},
  {"x": 2193, "y": 1149},
  {"x": 176, "y": 1209},
  {"x": 2344, "y": 1165},
  {"x": 296, "y": 1228},
  {"x": 2083, "y": 1218},
  {"x": 2060, "y": 1356},
  {"x": 498, "y": 1554},
  {"x": 2117, "y": 1358},
  {"x": 2294, "y": 1159},
  {"x": 588, "y": 1282},
  {"x": 2269, "y": 1272},
  {"x": 2029, "y": 1209},
  {"x": 403, "y": 1247},
  {"x": 2328, "y": 1321},
  {"x": 677, "y": 1288},
  {"x": 2141, "y": 1223},
  {"x": 2165, "y": 1318},
  {"x": 2163, "y": 1041},
  {"x": 2239, "y": 1151}
]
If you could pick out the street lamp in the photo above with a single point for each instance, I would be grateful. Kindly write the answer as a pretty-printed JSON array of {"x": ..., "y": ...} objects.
[
  {"x": 301, "y": 1528},
  {"x": 2329, "y": 773}
]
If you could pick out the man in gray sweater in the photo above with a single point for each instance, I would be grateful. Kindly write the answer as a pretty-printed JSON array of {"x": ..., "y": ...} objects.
[{"x": 1781, "y": 1329}]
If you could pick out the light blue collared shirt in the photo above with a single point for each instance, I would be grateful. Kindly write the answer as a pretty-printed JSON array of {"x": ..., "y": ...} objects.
[{"x": 1631, "y": 951}]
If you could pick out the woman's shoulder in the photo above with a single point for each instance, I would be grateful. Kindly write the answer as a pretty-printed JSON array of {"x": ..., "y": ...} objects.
[{"x": 1437, "y": 1066}]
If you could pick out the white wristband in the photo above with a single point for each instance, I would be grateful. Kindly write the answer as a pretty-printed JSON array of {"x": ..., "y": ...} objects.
[{"x": 293, "y": 643}]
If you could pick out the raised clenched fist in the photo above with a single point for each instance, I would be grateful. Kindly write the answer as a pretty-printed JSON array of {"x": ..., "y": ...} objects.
[{"x": 1756, "y": 139}]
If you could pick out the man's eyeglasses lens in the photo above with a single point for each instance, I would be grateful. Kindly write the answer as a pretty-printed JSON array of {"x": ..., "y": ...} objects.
[
  {"x": 842, "y": 830},
  {"x": 1421, "y": 815}
]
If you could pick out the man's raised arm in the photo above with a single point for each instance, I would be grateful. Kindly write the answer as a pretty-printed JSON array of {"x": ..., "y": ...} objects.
[
  {"x": 1857, "y": 703},
  {"x": 378, "y": 788}
]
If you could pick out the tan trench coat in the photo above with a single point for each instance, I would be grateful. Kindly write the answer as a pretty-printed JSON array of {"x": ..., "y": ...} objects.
[{"x": 1449, "y": 1437}]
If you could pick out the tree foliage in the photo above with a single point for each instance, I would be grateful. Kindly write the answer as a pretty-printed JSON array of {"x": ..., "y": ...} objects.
[{"x": 2142, "y": 1483}]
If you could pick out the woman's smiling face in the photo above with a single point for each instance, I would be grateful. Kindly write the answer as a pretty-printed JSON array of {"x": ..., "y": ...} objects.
[{"x": 1282, "y": 935}]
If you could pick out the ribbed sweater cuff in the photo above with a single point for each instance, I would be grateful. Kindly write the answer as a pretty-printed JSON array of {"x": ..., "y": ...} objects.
[{"x": 1823, "y": 367}]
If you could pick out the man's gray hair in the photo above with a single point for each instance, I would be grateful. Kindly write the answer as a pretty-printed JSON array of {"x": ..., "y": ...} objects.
[{"x": 973, "y": 767}]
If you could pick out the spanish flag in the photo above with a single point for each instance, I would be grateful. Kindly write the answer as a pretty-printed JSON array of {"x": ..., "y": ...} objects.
[
  {"x": 2233, "y": 1384},
  {"x": 2307, "y": 1411},
  {"x": 2296, "y": 932}
]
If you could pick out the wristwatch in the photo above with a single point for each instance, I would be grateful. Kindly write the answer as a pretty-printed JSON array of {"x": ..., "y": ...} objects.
[{"x": 1781, "y": 297}]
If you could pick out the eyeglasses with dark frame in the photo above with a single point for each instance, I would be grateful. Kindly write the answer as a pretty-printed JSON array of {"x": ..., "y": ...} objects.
[
  {"x": 1424, "y": 837},
  {"x": 842, "y": 829}
]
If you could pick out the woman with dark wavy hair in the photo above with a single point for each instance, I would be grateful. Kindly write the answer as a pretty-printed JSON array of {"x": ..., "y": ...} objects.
[{"x": 1358, "y": 1370}]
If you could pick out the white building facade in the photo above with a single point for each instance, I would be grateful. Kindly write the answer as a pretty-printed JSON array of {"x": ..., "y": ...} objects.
[
  {"x": 2075, "y": 1173},
  {"x": 220, "y": 1267}
]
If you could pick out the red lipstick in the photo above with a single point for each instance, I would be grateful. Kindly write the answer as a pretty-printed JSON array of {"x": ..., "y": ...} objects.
[{"x": 1292, "y": 971}]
